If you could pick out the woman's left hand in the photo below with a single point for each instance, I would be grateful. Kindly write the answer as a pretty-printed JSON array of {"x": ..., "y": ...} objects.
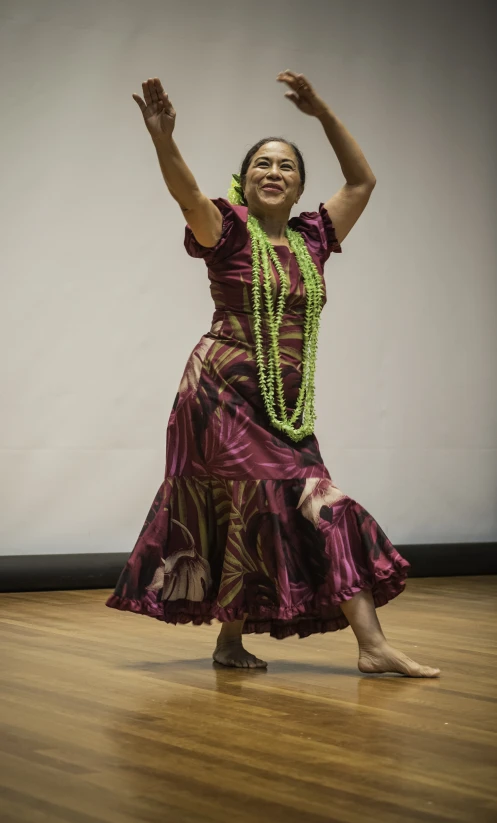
[{"x": 302, "y": 93}]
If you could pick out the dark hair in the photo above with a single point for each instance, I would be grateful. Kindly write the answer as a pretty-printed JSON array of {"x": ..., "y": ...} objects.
[{"x": 248, "y": 157}]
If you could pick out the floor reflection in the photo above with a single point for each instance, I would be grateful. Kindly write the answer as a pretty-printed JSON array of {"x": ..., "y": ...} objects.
[{"x": 201, "y": 730}]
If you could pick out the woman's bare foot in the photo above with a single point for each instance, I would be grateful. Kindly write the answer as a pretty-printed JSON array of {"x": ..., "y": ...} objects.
[
  {"x": 229, "y": 650},
  {"x": 382, "y": 659},
  {"x": 231, "y": 653}
]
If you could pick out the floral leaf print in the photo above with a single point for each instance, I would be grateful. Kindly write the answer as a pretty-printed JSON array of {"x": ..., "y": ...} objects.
[
  {"x": 242, "y": 372},
  {"x": 198, "y": 493},
  {"x": 236, "y": 544},
  {"x": 304, "y": 546},
  {"x": 203, "y": 407},
  {"x": 261, "y": 526},
  {"x": 227, "y": 447},
  {"x": 282, "y": 457},
  {"x": 221, "y": 490},
  {"x": 373, "y": 537},
  {"x": 178, "y": 433},
  {"x": 260, "y": 592},
  {"x": 158, "y": 579},
  {"x": 224, "y": 356},
  {"x": 191, "y": 375},
  {"x": 237, "y": 328},
  {"x": 261, "y": 530},
  {"x": 317, "y": 492},
  {"x": 183, "y": 575},
  {"x": 309, "y": 452},
  {"x": 231, "y": 582},
  {"x": 238, "y": 561}
]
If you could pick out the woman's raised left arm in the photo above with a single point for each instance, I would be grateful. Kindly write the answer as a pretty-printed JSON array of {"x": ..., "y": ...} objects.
[{"x": 347, "y": 205}]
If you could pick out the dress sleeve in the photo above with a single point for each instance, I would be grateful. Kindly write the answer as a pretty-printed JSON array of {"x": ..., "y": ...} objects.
[
  {"x": 234, "y": 234},
  {"x": 318, "y": 232}
]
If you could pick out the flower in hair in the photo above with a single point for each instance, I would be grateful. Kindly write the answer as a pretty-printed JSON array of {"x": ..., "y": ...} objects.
[{"x": 235, "y": 192}]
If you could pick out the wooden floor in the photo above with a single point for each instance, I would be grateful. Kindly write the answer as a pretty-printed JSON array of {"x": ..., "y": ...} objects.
[{"x": 114, "y": 717}]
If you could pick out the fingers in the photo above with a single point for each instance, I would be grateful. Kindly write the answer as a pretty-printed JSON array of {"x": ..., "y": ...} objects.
[
  {"x": 297, "y": 82},
  {"x": 287, "y": 73},
  {"x": 293, "y": 96},
  {"x": 146, "y": 92},
  {"x": 149, "y": 92},
  {"x": 159, "y": 89},
  {"x": 152, "y": 90},
  {"x": 155, "y": 84},
  {"x": 290, "y": 77},
  {"x": 154, "y": 94},
  {"x": 140, "y": 102},
  {"x": 163, "y": 98}
]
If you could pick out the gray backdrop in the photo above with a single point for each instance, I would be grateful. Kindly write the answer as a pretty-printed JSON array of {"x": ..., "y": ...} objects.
[{"x": 101, "y": 306}]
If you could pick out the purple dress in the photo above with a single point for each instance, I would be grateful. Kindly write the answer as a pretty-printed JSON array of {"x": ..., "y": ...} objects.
[{"x": 247, "y": 521}]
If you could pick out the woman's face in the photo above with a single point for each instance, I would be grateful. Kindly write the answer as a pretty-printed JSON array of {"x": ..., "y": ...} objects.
[{"x": 273, "y": 178}]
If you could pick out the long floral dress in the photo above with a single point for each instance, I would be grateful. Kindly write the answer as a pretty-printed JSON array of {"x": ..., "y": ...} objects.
[{"x": 247, "y": 521}]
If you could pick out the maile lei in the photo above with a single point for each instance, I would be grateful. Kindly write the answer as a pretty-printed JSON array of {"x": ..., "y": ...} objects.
[{"x": 269, "y": 363}]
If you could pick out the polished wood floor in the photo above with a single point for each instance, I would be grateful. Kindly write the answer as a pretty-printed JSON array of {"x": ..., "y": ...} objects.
[{"x": 116, "y": 718}]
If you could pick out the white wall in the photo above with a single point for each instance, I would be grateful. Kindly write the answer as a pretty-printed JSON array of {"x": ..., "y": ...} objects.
[{"x": 101, "y": 306}]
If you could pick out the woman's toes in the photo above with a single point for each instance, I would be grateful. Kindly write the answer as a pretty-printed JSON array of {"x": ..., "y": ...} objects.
[
  {"x": 427, "y": 671},
  {"x": 235, "y": 656},
  {"x": 256, "y": 663},
  {"x": 386, "y": 659},
  {"x": 414, "y": 669}
]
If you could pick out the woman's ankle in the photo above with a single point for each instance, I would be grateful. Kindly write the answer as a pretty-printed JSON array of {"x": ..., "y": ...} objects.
[
  {"x": 231, "y": 631},
  {"x": 373, "y": 645}
]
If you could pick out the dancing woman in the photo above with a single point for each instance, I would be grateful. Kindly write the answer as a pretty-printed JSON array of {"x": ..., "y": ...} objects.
[{"x": 248, "y": 527}]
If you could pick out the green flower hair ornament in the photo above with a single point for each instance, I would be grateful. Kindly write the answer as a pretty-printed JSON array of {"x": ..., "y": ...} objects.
[{"x": 235, "y": 192}]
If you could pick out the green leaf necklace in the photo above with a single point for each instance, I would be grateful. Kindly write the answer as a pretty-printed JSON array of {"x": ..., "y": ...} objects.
[{"x": 269, "y": 368}]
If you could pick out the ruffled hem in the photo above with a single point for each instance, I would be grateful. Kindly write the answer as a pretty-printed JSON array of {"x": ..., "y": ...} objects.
[
  {"x": 302, "y": 619},
  {"x": 287, "y": 553}
]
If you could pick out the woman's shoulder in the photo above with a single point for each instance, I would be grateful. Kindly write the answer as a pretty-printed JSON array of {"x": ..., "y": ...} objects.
[
  {"x": 234, "y": 234},
  {"x": 227, "y": 209},
  {"x": 318, "y": 231}
]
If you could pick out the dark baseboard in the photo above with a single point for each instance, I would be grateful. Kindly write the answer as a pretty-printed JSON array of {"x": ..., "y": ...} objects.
[
  {"x": 450, "y": 559},
  {"x": 55, "y": 572}
]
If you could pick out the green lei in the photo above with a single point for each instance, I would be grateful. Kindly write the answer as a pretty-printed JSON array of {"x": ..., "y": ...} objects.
[{"x": 269, "y": 367}]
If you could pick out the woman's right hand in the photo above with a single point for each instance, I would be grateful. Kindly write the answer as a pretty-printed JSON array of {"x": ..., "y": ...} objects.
[{"x": 157, "y": 110}]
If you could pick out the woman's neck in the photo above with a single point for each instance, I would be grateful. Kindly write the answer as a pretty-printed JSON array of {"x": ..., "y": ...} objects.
[{"x": 274, "y": 225}]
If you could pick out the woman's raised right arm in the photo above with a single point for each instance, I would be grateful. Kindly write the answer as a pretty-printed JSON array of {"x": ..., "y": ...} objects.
[{"x": 201, "y": 214}]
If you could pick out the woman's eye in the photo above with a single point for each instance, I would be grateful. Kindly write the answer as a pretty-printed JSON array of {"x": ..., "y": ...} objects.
[{"x": 264, "y": 164}]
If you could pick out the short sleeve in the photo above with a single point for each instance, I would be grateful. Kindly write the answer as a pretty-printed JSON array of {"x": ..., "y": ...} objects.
[
  {"x": 318, "y": 232},
  {"x": 233, "y": 238}
]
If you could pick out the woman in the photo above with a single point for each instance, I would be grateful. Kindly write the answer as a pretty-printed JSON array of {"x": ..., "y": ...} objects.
[{"x": 247, "y": 526}]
